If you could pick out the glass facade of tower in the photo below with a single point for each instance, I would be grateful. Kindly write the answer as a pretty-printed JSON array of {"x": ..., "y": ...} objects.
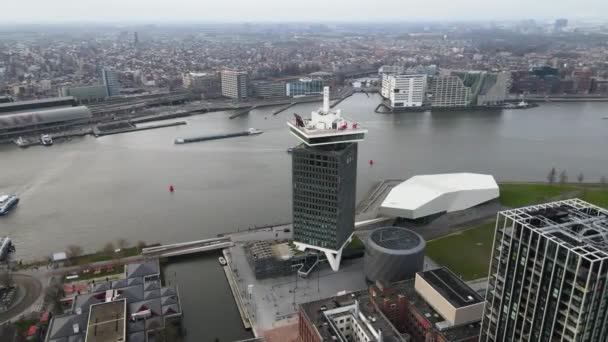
[
  {"x": 548, "y": 275},
  {"x": 110, "y": 82},
  {"x": 324, "y": 191}
]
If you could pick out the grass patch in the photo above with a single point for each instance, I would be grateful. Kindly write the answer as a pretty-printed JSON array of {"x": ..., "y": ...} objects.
[
  {"x": 521, "y": 195},
  {"x": 466, "y": 253},
  {"x": 597, "y": 197},
  {"x": 356, "y": 244},
  {"x": 104, "y": 256},
  {"x": 105, "y": 272}
]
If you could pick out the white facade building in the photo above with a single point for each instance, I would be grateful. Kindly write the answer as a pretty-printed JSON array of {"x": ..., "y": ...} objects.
[
  {"x": 425, "y": 195},
  {"x": 235, "y": 83},
  {"x": 406, "y": 90}
]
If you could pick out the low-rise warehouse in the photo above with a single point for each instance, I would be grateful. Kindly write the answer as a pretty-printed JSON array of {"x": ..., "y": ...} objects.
[{"x": 132, "y": 309}]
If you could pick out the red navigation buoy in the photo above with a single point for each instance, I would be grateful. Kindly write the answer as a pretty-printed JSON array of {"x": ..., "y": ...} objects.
[
  {"x": 371, "y": 162},
  {"x": 171, "y": 188}
]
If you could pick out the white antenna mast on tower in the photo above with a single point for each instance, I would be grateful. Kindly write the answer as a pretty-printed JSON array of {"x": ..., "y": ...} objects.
[{"x": 325, "y": 100}]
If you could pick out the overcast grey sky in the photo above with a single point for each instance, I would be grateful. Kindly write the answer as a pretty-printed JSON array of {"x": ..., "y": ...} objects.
[{"x": 294, "y": 10}]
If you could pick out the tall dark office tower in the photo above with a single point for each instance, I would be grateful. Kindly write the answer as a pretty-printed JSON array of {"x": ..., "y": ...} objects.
[
  {"x": 325, "y": 181},
  {"x": 110, "y": 82},
  {"x": 548, "y": 275}
]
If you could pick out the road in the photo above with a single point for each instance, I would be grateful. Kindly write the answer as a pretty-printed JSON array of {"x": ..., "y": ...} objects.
[
  {"x": 33, "y": 292},
  {"x": 98, "y": 264}
]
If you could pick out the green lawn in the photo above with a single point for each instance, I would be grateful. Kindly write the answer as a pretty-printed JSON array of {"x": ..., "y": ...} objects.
[
  {"x": 597, "y": 197},
  {"x": 104, "y": 256},
  {"x": 520, "y": 195},
  {"x": 466, "y": 253}
]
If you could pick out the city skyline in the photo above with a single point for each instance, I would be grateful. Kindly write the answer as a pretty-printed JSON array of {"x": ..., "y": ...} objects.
[{"x": 182, "y": 11}]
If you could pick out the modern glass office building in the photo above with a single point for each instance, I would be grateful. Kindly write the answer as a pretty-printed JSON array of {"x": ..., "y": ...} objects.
[
  {"x": 325, "y": 181},
  {"x": 110, "y": 82},
  {"x": 548, "y": 275},
  {"x": 324, "y": 185},
  {"x": 305, "y": 86}
]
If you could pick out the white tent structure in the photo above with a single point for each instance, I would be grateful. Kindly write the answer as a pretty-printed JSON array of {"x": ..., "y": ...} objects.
[{"x": 426, "y": 195}]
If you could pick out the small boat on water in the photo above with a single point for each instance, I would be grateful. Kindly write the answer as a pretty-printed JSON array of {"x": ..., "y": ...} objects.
[
  {"x": 222, "y": 261},
  {"x": 253, "y": 131},
  {"x": 7, "y": 202},
  {"x": 20, "y": 142},
  {"x": 46, "y": 140},
  {"x": 6, "y": 247}
]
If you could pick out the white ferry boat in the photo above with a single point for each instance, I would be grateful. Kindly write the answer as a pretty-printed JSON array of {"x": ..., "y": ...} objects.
[
  {"x": 7, "y": 202},
  {"x": 46, "y": 140},
  {"x": 222, "y": 261}
]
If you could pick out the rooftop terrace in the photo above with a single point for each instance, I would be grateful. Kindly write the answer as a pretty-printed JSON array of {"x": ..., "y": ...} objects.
[
  {"x": 451, "y": 287},
  {"x": 321, "y": 312},
  {"x": 573, "y": 223},
  {"x": 107, "y": 322}
]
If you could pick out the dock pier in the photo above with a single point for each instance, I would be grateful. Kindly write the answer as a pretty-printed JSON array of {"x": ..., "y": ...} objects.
[
  {"x": 234, "y": 288},
  {"x": 100, "y": 132},
  {"x": 284, "y": 108},
  {"x": 337, "y": 102},
  {"x": 243, "y": 112}
]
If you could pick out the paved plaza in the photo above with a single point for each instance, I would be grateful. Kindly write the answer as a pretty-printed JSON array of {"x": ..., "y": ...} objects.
[{"x": 272, "y": 302}]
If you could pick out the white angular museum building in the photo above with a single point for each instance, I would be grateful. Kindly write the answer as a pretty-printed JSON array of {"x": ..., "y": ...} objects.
[{"x": 425, "y": 195}]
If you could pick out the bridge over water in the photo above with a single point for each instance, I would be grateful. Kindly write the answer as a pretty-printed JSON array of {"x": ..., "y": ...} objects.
[{"x": 185, "y": 248}]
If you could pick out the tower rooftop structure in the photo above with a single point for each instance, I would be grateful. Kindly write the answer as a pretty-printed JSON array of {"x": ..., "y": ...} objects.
[{"x": 326, "y": 126}]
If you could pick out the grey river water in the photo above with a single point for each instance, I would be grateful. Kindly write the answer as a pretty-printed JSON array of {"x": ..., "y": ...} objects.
[{"x": 90, "y": 191}]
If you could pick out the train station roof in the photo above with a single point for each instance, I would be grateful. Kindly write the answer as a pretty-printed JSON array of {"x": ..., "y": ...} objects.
[{"x": 45, "y": 116}]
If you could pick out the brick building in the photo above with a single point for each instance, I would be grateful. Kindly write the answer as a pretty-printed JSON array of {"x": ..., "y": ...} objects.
[{"x": 436, "y": 306}]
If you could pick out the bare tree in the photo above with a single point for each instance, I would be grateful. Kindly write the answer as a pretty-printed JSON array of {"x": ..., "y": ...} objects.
[
  {"x": 141, "y": 245},
  {"x": 551, "y": 176},
  {"x": 6, "y": 279},
  {"x": 53, "y": 295},
  {"x": 122, "y": 243},
  {"x": 563, "y": 177},
  {"x": 108, "y": 248},
  {"x": 74, "y": 251},
  {"x": 580, "y": 177}
]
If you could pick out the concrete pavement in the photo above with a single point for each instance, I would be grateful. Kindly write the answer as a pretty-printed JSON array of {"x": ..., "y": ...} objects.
[{"x": 33, "y": 295}]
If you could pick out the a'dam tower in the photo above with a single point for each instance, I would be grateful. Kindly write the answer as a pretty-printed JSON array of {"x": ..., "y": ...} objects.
[{"x": 324, "y": 171}]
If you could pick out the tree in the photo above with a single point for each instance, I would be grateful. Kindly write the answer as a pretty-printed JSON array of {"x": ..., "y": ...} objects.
[
  {"x": 74, "y": 251},
  {"x": 580, "y": 177},
  {"x": 6, "y": 280},
  {"x": 551, "y": 176},
  {"x": 122, "y": 243},
  {"x": 141, "y": 245},
  {"x": 563, "y": 177},
  {"x": 109, "y": 248},
  {"x": 53, "y": 295}
]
